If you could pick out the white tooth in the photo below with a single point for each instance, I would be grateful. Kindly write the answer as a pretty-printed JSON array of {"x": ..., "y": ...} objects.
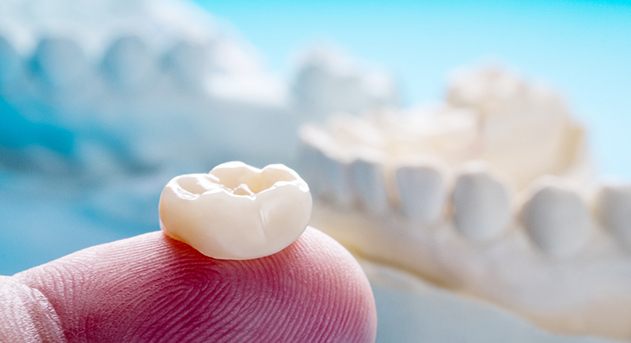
[
  {"x": 128, "y": 63},
  {"x": 614, "y": 210},
  {"x": 336, "y": 182},
  {"x": 59, "y": 62},
  {"x": 481, "y": 205},
  {"x": 236, "y": 211},
  {"x": 330, "y": 172},
  {"x": 556, "y": 220},
  {"x": 422, "y": 192},
  {"x": 311, "y": 161},
  {"x": 369, "y": 187},
  {"x": 188, "y": 63}
]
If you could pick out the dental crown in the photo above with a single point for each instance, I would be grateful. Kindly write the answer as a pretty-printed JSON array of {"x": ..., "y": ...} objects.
[
  {"x": 490, "y": 193},
  {"x": 236, "y": 211}
]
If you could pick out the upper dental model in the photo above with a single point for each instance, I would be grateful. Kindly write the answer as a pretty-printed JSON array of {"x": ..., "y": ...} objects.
[
  {"x": 236, "y": 211},
  {"x": 125, "y": 86},
  {"x": 490, "y": 195}
]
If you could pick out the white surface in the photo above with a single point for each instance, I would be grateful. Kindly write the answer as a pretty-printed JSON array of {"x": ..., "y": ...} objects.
[{"x": 410, "y": 310}]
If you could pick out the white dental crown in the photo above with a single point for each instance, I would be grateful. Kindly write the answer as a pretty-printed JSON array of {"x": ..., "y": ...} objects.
[{"x": 236, "y": 211}]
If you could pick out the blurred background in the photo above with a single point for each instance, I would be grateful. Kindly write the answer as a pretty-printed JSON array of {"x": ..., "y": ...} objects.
[{"x": 100, "y": 105}]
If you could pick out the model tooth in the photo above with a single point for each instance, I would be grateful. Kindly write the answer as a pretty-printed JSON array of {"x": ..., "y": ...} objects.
[
  {"x": 614, "y": 211},
  {"x": 188, "y": 63},
  {"x": 311, "y": 160},
  {"x": 481, "y": 205},
  {"x": 556, "y": 220},
  {"x": 369, "y": 185},
  {"x": 59, "y": 62},
  {"x": 10, "y": 62},
  {"x": 327, "y": 175},
  {"x": 336, "y": 182},
  {"x": 236, "y": 211},
  {"x": 128, "y": 63},
  {"x": 329, "y": 171},
  {"x": 422, "y": 192}
]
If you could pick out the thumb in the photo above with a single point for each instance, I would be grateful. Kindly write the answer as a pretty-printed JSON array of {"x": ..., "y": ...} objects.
[{"x": 152, "y": 288}]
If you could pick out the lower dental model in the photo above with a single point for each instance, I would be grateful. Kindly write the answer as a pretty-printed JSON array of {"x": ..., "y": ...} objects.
[
  {"x": 489, "y": 195},
  {"x": 236, "y": 211}
]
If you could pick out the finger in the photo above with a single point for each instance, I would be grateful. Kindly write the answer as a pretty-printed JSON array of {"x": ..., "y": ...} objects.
[
  {"x": 152, "y": 288},
  {"x": 26, "y": 315}
]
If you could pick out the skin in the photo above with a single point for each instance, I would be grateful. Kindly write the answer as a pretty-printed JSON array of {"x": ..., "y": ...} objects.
[{"x": 153, "y": 288}]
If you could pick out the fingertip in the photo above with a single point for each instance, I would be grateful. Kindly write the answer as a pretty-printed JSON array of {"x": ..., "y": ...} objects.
[{"x": 153, "y": 287}]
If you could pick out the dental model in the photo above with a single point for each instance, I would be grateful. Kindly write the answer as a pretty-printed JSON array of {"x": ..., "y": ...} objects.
[
  {"x": 236, "y": 211},
  {"x": 489, "y": 195},
  {"x": 64, "y": 73}
]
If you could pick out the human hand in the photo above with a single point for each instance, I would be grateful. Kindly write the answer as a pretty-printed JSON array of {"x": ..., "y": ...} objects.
[{"x": 153, "y": 288}]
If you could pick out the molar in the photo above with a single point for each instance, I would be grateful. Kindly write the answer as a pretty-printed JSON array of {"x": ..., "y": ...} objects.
[
  {"x": 481, "y": 205},
  {"x": 613, "y": 206},
  {"x": 236, "y": 211},
  {"x": 422, "y": 192},
  {"x": 556, "y": 219}
]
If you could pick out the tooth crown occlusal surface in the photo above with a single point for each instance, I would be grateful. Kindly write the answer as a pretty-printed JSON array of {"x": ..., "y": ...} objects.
[{"x": 236, "y": 211}]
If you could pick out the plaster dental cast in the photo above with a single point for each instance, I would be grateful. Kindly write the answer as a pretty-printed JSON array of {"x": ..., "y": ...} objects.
[
  {"x": 243, "y": 266},
  {"x": 490, "y": 194}
]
